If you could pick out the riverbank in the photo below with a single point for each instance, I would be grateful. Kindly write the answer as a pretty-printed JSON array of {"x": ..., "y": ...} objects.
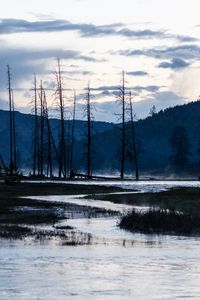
[
  {"x": 185, "y": 199},
  {"x": 25, "y": 217},
  {"x": 176, "y": 211}
]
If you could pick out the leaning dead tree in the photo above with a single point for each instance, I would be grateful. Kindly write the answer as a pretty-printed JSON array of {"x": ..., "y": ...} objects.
[
  {"x": 62, "y": 144},
  {"x": 135, "y": 156}
]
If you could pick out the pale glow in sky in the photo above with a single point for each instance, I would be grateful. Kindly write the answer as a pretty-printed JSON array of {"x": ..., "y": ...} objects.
[{"x": 156, "y": 42}]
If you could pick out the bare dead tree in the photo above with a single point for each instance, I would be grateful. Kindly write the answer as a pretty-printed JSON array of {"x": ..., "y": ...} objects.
[
  {"x": 49, "y": 139},
  {"x": 88, "y": 144},
  {"x": 122, "y": 100},
  {"x": 133, "y": 138},
  {"x": 36, "y": 142},
  {"x": 14, "y": 133},
  {"x": 41, "y": 156},
  {"x": 72, "y": 137},
  {"x": 11, "y": 164},
  {"x": 62, "y": 145}
]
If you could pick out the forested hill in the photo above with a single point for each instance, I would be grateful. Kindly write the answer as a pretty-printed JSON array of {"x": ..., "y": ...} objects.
[{"x": 153, "y": 134}]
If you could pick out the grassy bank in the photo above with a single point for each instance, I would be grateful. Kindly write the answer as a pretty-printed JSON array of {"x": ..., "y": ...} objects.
[
  {"x": 178, "y": 213},
  {"x": 161, "y": 221}
]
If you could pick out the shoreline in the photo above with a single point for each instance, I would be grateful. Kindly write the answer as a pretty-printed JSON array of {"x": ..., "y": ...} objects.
[{"x": 18, "y": 214}]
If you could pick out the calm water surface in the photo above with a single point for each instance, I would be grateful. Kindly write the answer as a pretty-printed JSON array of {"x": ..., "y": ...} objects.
[{"x": 121, "y": 266}]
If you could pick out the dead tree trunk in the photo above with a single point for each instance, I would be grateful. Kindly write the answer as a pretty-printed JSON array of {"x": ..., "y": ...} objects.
[
  {"x": 14, "y": 133},
  {"x": 122, "y": 96},
  {"x": 41, "y": 130},
  {"x": 49, "y": 148},
  {"x": 72, "y": 138},
  {"x": 62, "y": 150},
  {"x": 89, "y": 150},
  {"x": 133, "y": 139},
  {"x": 11, "y": 164},
  {"x": 35, "y": 155}
]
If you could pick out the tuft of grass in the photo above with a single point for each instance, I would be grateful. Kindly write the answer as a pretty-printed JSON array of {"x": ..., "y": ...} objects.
[{"x": 161, "y": 221}]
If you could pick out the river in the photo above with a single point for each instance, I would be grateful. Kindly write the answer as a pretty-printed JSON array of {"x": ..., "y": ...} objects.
[{"x": 121, "y": 265}]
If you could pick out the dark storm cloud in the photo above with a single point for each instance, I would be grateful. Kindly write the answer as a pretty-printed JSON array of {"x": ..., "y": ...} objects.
[
  {"x": 9, "y": 26},
  {"x": 189, "y": 51},
  {"x": 175, "y": 63}
]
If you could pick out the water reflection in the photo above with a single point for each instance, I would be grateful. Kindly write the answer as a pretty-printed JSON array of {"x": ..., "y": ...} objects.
[{"x": 170, "y": 270}]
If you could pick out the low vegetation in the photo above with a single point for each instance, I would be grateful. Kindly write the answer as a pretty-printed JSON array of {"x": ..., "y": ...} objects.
[
  {"x": 176, "y": 211},
  {"x": 159, "y": 221}
]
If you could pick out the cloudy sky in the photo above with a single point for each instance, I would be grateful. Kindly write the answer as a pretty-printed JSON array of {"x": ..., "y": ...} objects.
[{"x": 156, "y": 43}]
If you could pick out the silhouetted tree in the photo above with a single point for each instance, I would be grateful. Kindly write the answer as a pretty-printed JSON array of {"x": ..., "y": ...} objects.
[
  {"x": 36, "y": 135},
  {"x": 42, "y": 123},
  {"x": 180, "y": 147},
  {"x": 152, "y": 111},
  {"x": 134, "y": 153},
  {"x": 89, "y": 134},
  {"x": 121, "y": 98},
  {"x": 72, "y": 138},
  {"x": 13, "y": 163},
  {"x": 62, "y": 144}
]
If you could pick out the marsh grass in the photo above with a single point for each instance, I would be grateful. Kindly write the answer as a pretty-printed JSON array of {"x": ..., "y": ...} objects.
[{"x": 159, "y": 221}]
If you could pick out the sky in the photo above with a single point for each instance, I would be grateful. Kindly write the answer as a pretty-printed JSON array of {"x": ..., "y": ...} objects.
[{"x": 155, "y": 42}]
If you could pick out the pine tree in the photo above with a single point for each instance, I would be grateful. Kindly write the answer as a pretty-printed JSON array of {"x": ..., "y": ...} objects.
[{"x": 180, "y": 147}]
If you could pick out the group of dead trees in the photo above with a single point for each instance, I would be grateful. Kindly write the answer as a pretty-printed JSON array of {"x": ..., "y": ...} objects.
[
  {"x": 63, "y": 152},
  {"x": 48, "y": 154},
  {"x": 46, "y": 150},
  {"x": 11, "y": 168},
  {"x": 129, "y": 149},
  {"x": 51, "y": 154}
]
